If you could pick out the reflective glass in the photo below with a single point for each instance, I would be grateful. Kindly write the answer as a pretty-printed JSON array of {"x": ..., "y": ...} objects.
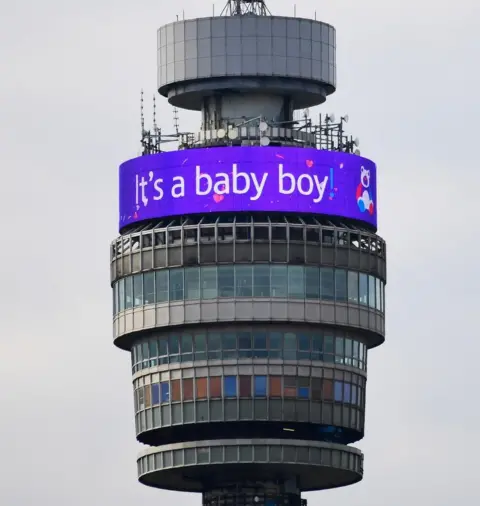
[
  {"x": 121, "y": 295},
  {"x": 363, "y": 289},
  {"x": 243, "y": 280},
  {"x": 149, "y": 287},
  {"x": 312, "y": 283},
  {"x": 209, "y": 282},
  {"x": 128, "y": 292},
  {"x": 230, "y": 386},
  {"x": 261, "y": 279},
  {"x": 214, "y": 346},
  {"x": 279, "y": 280},
  {"x": 176, "y": 284},
  {"x": 353, "y": 287},
  {"x": 226, "y": 281},
  {"x": 296, "y": 282},
  {"x": 371, "y": 292},
  {"x": 192, "y": 283},
  {"x": 161, "y": 285},
  {"x": 327, "y": 283},
  {"x": 260, "y": 386},
  {"x": 200, "y": 347},
  {"x": 340, "y": 285}
]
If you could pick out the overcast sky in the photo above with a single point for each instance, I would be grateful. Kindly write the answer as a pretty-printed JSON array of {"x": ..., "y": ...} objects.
[{"x": 70, "y": 75}]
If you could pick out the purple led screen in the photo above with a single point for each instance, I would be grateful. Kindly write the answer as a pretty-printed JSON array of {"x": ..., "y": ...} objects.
[{"x": 234, "y": 179}]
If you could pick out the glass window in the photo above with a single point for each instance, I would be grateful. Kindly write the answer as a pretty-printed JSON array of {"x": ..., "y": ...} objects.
[
  {"x": 348, "y": 352},
  {"x": 229, "y": 345},
  {"x": 137, "y": 290},
  {"x": 164, "y": 392},
  {"x": 275, "y": 345},
  {"x": 115, "y": 298},
  {"x": 153, "y": 352},
  {"x": 245, "y": 344},
  {"x": 371, "y": 292},
  {"x": 174, "y": 348},
  {"x": 245, "y": 386},
  {"x": 200, "y": 347},
  {"x": 303, "y": 388},
  {"x": 346, "y": 392},
  {"x": 176, "y": 284},
  {"x": 155, "y": 394},
  {"x": 338, "y": 392},
  {"x": 312, "y": 283},
  {"x": 382, "y": 295},
  {"x": 327, "y": 283},
  {"x": 201, "y": 386},
  {"x": 363, "y": 290},
  {"x": 275, "y": 386},
  {"x": 186, "y": 347},
  {"x": 128, "y": 292},
  {"x": 209, "y": 282},
  {"x": 261, "y": 281},
  {"x": 163, "y": 350},
  {"x": 260, "y": 386},
  {"x": 354, "y": 394},
  {"x": 290, "y": 346},
  {"x": 175, "y": 390},
  {"x": 192, "y": 283},
  {"x": 279, "y": 280},
  {"x": 339, "y": 358},
  {"x": 316, "y": 389},
  {"x": 149, "y": 287},
  {"x": 353, "y": 287},
  {"x": 214, "y": 346},
  {"x": 356, "y": 353},
  {"x": 226, "y": 281},
  {"x": 215, "y": 386},
  {"x": 243, "y": 280},
  {"x": 340, "y": 285},
  {"x": 148, "y": 397},
  {"x": 304, "y": 346},
  {"x": 289, "y": 386},
  {"x": 187, "y": 389},
  {"x": 121, "y": 295},
  {"x": 317, "y": 347},
  {"x": 161, "y": 285},
  {"x": 328, "y": 348},
  {"x": 296, "y": 282},
  {"x": 377, "y": 295},
  {"x": 230, "y": 386},
  {"x": 260, "y": 345}
]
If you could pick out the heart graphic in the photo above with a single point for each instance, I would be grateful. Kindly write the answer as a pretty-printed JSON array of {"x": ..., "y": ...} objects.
[
  {"x": 218, "y": 198},
  {"x": 309, "y": 163}
]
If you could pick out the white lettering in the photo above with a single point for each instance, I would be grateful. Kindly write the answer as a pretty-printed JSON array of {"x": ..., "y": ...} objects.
[
  {"x": 198, "y": 179},
  {"x": 258, "y": 186},
  {"x": 320, "y": 187},
  {"x": 308, "y": 178},
  {"x": 142, "y": 185},
  {"x": 157, "y": 187},
  {"x": 281, "y": 177},
  {"x": 222, "y": 186},
  {"x": 236, "y": 177},
  {"x": 178, "y": 189}
]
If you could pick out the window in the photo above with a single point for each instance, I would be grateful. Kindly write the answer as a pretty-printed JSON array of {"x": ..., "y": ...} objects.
[
  {"x": 128, "y": 292},
  {"x": 290, "y": 386},
  {"x": 353, "y": 287},
  {"x": 261, "y": 281},
  {"x": 175, "y": 392},
  {"x": 245, "y": 344},
  {"x": 312, "y": 283},
  {"x": 316, "y": 389},
  {"x": 260, "y": 386},
  {"x": 338, "y": 392},
  {"x": 201, "y": 387},
  {"x": 377, "y": 295},
  {"x": 186, "y": 348},
  {"x": 209, "y": 282},
  {"x": 371, "y": 292},
  {"x": 347, "y": 388},
  {"x": 226, "y": 281},
  {"x": 260, "y": 345},
  {"x": 275, "y": 345},
  {"x": 192, "y": 283},
  {"x": 215, "y": 386},
  {"x": 214, "y": 346},
  {"x": 174, "y": 349},
  {"x": 229, "y": 345},
  {"x": 340, "y": 285},
  {"x": 304, "y": 346},
  {"x": 243, "y": 280},
  {"x": 339, "y": 351},
  {"x": 200, "y": 347},
  {"x": 176, "y": 284},
  {"x": 327, "y": 283},
  {"x": 279, "y": 280},
  {"x": 303, "y": 388},
  {"x": 137, "y": 290},
  {"x": 290, "y": 346},
  {"x": 230, "y": 386},
  {"x": 121, "y": 295},
  {"x": 187, "y": 389},
  {"x": 317, "y": 347},
  {"x": 149, "y": 287},
  {"x": 363, "y": 290},
  {"x": 296, "y": 282},
  {"x": 275, "y": 386},
  {"x": 164, "y": 392},
  {"x": 245, "y": 386},
  {"x": 327, "y": 390},
  {"x": 161, "y": 285},
  {"x": 155, "y": 394}
]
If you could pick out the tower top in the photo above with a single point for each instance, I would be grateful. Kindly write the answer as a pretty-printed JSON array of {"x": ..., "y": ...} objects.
[{"x": 245, "y": 7}]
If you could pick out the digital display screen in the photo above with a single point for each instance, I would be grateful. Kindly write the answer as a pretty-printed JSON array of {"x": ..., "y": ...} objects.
[{"x": 248, "y": 179}]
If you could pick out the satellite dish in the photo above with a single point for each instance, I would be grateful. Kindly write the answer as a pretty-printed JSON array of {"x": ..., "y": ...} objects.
[
  {"x": 221, "y": 133},
  {"x": 357, "y": 152},
  {"x": 356, "y": 141},
  {"x": 263, "y": 127},
  {"x": 264, "y": 141},
  {"x": 233, "y": 133},
  {"x": 346, "y": 118}
]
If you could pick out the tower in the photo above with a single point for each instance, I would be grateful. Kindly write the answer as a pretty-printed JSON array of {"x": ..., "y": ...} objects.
[{"x": 248, "y": 278}]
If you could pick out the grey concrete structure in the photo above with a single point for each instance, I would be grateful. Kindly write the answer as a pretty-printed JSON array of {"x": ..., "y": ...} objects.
[{"x": 249, "y": 334}]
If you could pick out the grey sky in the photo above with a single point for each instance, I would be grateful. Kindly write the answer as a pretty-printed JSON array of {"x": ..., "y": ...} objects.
[{"x": 70, "y": 74}]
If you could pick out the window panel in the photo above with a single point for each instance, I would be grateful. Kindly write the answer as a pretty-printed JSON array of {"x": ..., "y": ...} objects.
[
  {"x": 316, "y": 389},
  {"x": 155, "y": 394},
  {"x": 214, "y": 346},
  {"x": 327, "y": 390},
  {"x": 192, "y": 283},
  {"x": 137, "y": 290},
  {"x": 163, "y": 350},
  {"x": 275, "y": 386},
  {"x": 200, "y": 347},
  {"x": 279, "y": 280},
  {"x": 245, "y": 386},
  {"x": 353, "y": 287},
  {"x": 347, "y": 392},
  {"x": 230, "y": 386},
  {"x": 317, "y": 347},
  {"x": 176, "y": 284},
  {"x": 340, "y": 285},
  {"x": 209, "y": 282},
  {"x": 226, "y": 281},
  {"x": 290, "y": 346},
  {"x": 275, "y": 345},
  {"x": 187, "y": 389},
  {"x": 363, "y": 289},
  {"x": 186, "y": 347},
  {"x": 128, "y": 292},
  {"x": 229, "y": 345},
  {"x": 121, "y": 294},
  {"x": 147, "y": 396},
  {"x": 378, "y": 295},
  {"x": 338, "y": 392},
  {"x": 312, "y": 283},
  {"x": 245, "y": 344},
  {"x": 327, "y": 283},
  {"x": 260, "y": 386},
  {"x": 201, "y": 387},
  {"x": 215, "y": 386},
  {"x": 296, "y": 282},
  {"x": 164, "y": 392},
  {"x": 371, "y": 292},
  {"x": 243, "y": 280},
  {"x": 261, "y": 281},
  {"x": 175, "y": 390},
  {"x": 161, "y": 285},
  {"x": 290, "y": 386},
  {"x": 303, "y": 388}
]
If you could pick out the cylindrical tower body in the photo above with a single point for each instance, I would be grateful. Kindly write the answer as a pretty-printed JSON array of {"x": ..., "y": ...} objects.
[{"x": 248, "y": 277}]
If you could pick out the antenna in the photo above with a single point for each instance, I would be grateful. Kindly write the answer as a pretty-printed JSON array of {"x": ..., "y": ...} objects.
[
  {"x": 142, "y": 118},
  {"x": 175, "y": 119},
  {"x": 245, "y": 7},
  {"x": 154, "y": 114}
]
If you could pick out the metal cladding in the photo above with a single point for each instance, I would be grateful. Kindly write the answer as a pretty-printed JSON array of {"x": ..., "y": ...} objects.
[
  {"x": 248, "y": 278},
  {"x": 269, "y": 54}
]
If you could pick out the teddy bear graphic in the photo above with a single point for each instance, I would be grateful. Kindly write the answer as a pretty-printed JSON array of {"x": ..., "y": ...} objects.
[{"x": 363, "y": 195}]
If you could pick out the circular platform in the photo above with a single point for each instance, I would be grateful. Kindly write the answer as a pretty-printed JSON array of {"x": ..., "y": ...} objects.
[{"x": 189, "y": 467}]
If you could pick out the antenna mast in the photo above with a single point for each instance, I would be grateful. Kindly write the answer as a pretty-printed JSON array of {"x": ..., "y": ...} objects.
[{"x": 245, "y": 7}]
